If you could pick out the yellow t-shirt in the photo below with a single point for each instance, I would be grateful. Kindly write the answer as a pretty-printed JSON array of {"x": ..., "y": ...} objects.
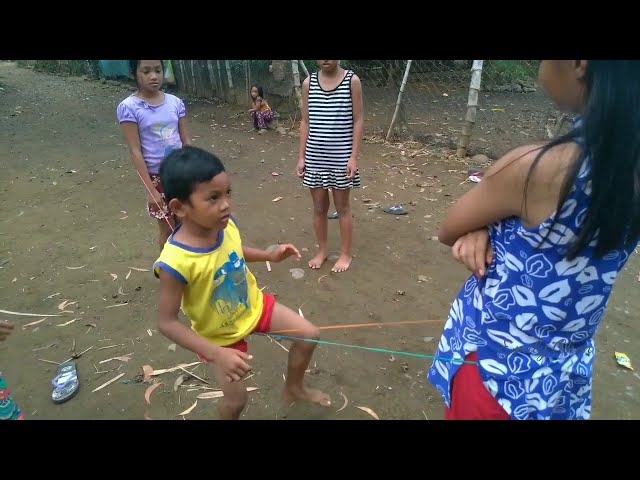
[{"x": 221, "y": 295}]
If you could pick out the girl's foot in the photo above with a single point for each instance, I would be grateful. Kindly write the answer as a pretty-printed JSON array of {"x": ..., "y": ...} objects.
[
  {"x": 316, "y": 262},
  {"x": 343, "y": 263},
  {"x": 291, "y": 395}
]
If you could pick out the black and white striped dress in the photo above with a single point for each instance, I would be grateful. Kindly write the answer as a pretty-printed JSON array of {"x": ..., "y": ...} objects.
[{"x": 330, "y": 140}]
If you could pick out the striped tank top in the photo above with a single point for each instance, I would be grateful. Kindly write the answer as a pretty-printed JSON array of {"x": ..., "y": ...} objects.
[{"x": 330, "y": 140}]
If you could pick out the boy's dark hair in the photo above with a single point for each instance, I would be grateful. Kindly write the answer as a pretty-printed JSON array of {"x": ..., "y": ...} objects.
[
  {"x": 260, "y": 90},
  {"x": 185, "y": 168},
  {"x": 610, "y": 138}
]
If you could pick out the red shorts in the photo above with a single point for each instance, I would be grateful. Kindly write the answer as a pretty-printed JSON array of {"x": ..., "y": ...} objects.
[
  {"x": 152, "y": 208},
  {"x": 263, "y": 326},
  {"x": 470, "y": 399}
]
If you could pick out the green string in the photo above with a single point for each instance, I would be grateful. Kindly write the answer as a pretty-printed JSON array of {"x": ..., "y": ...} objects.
[{"x": 379, "y": 350}]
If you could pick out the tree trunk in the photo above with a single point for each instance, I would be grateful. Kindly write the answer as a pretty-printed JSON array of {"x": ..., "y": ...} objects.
[
  {"x": 229, "y": 78},
  {"x": 296, "y": 82}
]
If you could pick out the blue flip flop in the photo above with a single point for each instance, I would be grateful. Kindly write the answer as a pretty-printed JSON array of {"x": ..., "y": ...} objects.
[{"x": 66, "y": 383}]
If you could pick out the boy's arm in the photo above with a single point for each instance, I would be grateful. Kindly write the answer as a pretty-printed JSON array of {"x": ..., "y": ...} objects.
[
  {"x": 255, "y": 255},
  {"x": 171, "y": 290},
  {"x": 282, "y": 252}
]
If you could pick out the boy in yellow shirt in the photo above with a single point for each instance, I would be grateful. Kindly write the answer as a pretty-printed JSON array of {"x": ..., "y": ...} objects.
[{"x": 202, "y": 269}]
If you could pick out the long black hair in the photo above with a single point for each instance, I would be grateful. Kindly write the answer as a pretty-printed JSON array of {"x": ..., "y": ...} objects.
[{"x": 609, "y": 136}]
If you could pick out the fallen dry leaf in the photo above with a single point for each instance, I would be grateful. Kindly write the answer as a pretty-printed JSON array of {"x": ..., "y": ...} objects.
[
  {"x": 275, "y": 174},
  {"x": 300, "y": 312},
  {"x": 128, "y": 275},
  {"x": 124, "y": 358},
  {"x": 277, "y": 199},
  {"x": 140, "y": 269},
  {"x": 107, "y": 383},
  {"x": 150, "y": 390},
  {"x": 218, "y": 394},
  {"x": 179, "y": 381},
  {"x": 188, "y": 410},
  {"x": 148, "y": 372},
  {"x": 121, "y": 292},
  {"x": 76, "y": 268},
  {"x": 114, "y": 276},
  {"x": 66, "y": 323},
  {"x": 346, "y": 402},
  {"x": 369, "y": 411},
  {"x": 118, "y": 305},
  {"x": 62, "y": 305},
  {"x": 34, "y": 323},
  {"x": 173, "y": 369}
]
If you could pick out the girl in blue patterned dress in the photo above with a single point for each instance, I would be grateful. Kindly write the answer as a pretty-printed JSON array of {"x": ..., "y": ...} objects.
[{"x": 546, "y": 233}]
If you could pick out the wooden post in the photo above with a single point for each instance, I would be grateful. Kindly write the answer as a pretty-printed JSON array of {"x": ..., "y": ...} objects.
[
  {"x": 399, "y": 101},
  {"x": 472, "y": 108}
]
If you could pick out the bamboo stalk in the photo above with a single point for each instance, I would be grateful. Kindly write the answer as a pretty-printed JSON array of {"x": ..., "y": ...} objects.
[
  {"x": 222, "y": 96},
  {"x": 227, "y": 66},
  {"x": 399, "y": 101},
  {"x": 296, "y": 82},
  {"x": 304, "y": 68},
  {"x": 472, "y": 108}
]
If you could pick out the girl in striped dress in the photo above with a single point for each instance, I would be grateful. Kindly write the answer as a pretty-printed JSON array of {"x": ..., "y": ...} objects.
[{"x": 330, "y": 136}]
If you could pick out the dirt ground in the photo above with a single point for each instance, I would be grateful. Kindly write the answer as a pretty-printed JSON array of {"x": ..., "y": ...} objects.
[{"x": 73, "y": 218}]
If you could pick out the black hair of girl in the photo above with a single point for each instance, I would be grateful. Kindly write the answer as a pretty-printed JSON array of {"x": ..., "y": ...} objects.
[
  {"x": 609, "y": 135},
  {"x": 260, "y": 91},
  {"x": 133, "y": 68}
]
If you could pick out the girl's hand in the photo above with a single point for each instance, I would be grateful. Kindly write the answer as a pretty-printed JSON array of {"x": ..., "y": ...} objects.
[
  {"x": 352, "y": 168},
  {"x": 474, "y": 250},
  {"x": 283, "y": 252},
  {"x": 5, "y": 330},
  {"x": 155, "y": 200},
  {"x": 300, "y": 168}
]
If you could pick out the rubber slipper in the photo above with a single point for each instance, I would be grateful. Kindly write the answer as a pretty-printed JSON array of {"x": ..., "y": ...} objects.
[
  {"x": 66, "y": 383},
  {"x": 395, "y": 210}
]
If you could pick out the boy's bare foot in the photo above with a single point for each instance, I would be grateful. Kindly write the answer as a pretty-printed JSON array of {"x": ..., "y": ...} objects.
[
  {"x": 343, "y": 263},
  {"x": 291, "y": 395},
  {"x": 316, "y": 262}
]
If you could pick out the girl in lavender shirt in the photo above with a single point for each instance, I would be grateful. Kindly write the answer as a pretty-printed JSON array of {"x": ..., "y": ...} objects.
[{"x": 154, "y": 125}]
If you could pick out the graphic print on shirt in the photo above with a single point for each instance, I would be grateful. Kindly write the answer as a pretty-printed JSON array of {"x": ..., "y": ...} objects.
[
  {"x": 169, "y": 136},
  {"x": 231, "y": 292}
]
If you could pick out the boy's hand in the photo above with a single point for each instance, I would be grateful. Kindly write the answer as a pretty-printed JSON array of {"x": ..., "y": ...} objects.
[
  {"x": 5, "y": 330},
  {"x": 232, "y": 362},
  {"x": 474, "y": 251},
  {"x": 283, "y": 252}
]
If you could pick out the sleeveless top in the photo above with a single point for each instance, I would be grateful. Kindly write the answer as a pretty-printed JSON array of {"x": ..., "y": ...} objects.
[
  {"x": 330, "y": 141},
  {"x": 532, "y": 319}
]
